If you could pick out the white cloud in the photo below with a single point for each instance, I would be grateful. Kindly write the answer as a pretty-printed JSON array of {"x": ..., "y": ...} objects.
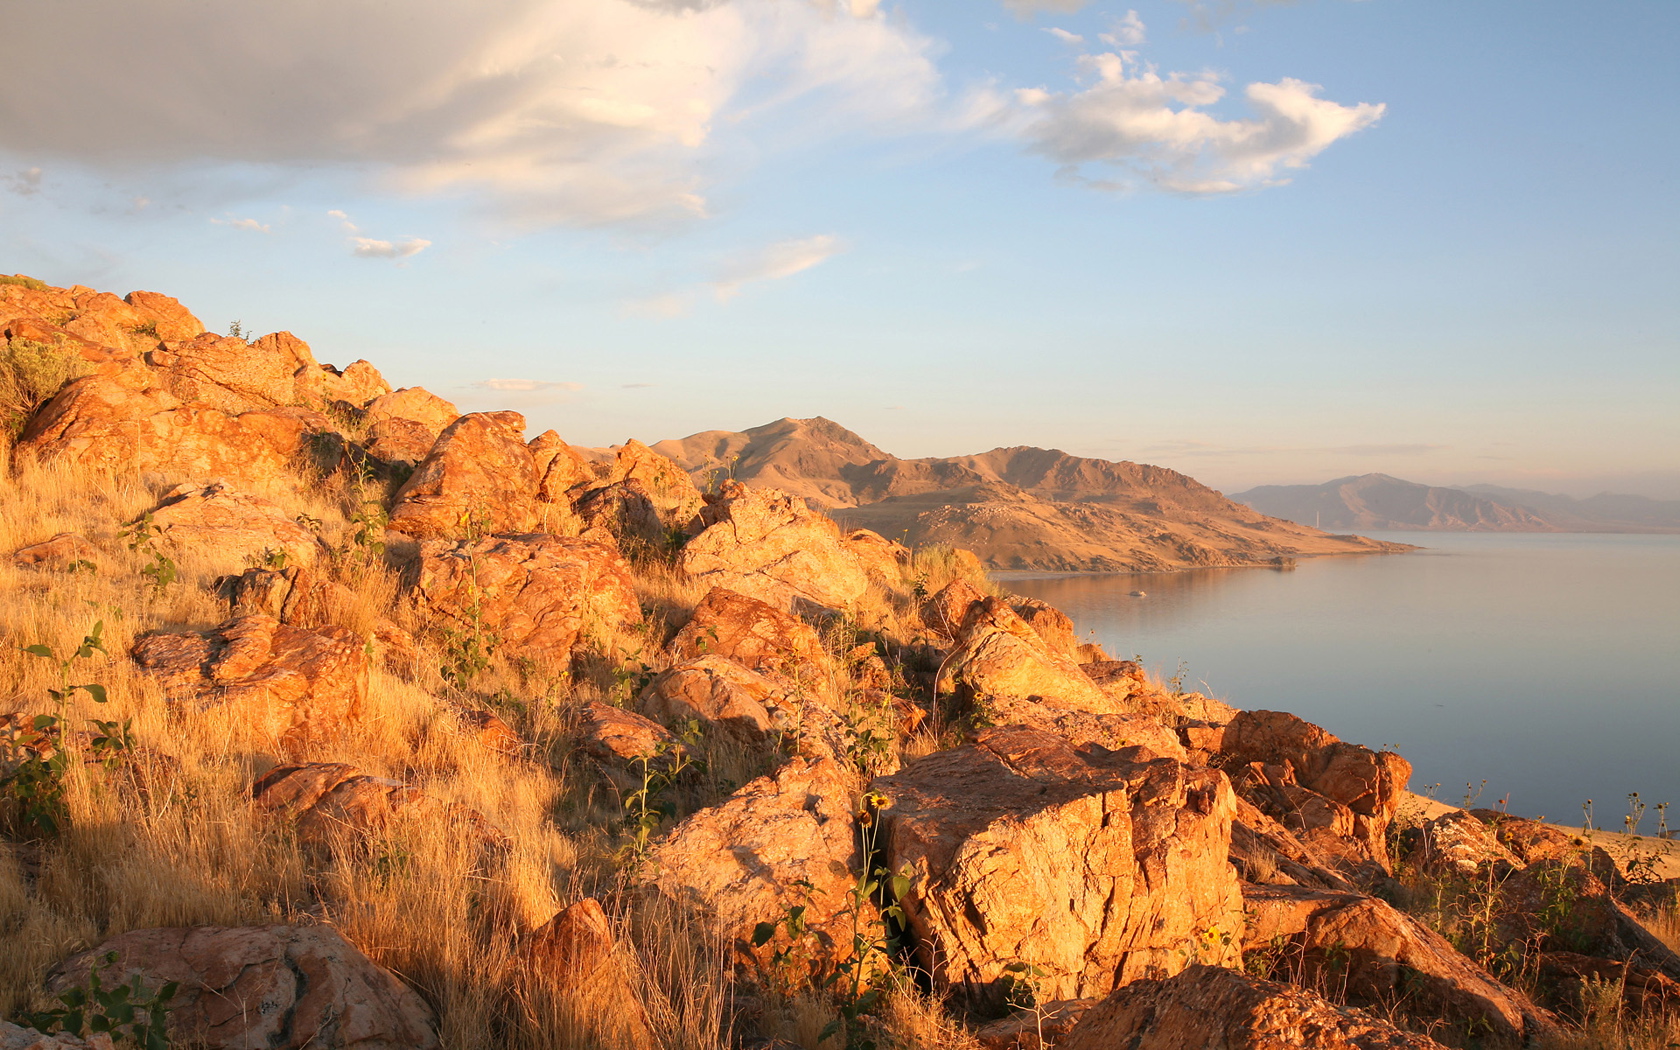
[
  {"x": 368, "y": 248},
  {"x": 553, "y": 111},
  {"x": 1029, "y": 8},
  {"x": 526, "y": 385},
  {"x": 1125, "y": 31},
  {"x": 774, "y": 262},
  {"x": 243, "y": 224},
  {"x": 1143, "y": 130},
  {"x": 25, "y": 183},
  {"x": 1065, "y": 37}
]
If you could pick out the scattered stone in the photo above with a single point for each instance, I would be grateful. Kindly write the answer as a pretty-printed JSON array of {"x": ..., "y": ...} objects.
[
  {"x": 64, "y": 551},
  {"x": 289, "y": 683},
  {"x": 328, "y": 799},
  {"x": 16, "y": 1037},
  {"x": 276, "y": 987},
  {"x": 1097, "y": 867},
  {"x": 491, "y": 732},
  {"x": 1211, "y": 1007}
]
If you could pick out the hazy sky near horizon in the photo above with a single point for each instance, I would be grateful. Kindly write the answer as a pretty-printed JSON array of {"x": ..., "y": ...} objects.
[{"x": 1254, "y": 240}]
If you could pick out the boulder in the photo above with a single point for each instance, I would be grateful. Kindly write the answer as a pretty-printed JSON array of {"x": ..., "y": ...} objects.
[
  {"x": 737, "y": 705},
  {"x": 64, "y": 551},
  {"x": 1565, "y": 904},
  {"x": 575, "y": 951},
  {"x": 327, "y": 800},
  {"x": 1643, "y": 988},
  {"x": 1266, "y": 852},
  {"x": 16, "y": 1037},
  {"x": 946, "y": 611},
  {"x": 1211, "y": 1008},
  {"x": 562, "y": 470},
  {"x": 770, "y": 546},
  {"x": 667, "y": 486},
  {"x": 229, "y": 530},
  {"x": 754, "y": 634},
  {"x": 356, "y": 384},
  {"x": 533, "y": 594},
  {"x": 1378, "y": 955},
  {"x": 276, "y": 987},
  {"x": 230, "y": 374},
  {"x": 1052, "y": 625},
  {"x": 412, "y": 403},
  {"x": 290, "y": 683},
  {"x": 127, "y": 422},
  {"x": 1456, "y": 843},
  {"x": 1097, "y": 867},
  {"x": 1080, "y": 727},
  {"x": 170, "y": 319},
  {"x": 491, "y": 732},
  {"x": 1368, "y": 784},
  {"x": 397, "y": 440},
  {"x": 1001, "y": 658},
  {"x": 1040, "y": 1028},
  {"x": 782, "y": 841},
  {"x": 616, "y": 736},
  {"x": 478, "y": 479},
  {"x": 296, "y": 595},
  {"x": 883, "y": 560},
  {"x": 623, "y": 510}
]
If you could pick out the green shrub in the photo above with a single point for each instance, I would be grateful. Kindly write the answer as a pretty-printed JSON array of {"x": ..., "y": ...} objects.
[
  {"x": 28, "y": 282},
  {"x": 30, "y": 373}
]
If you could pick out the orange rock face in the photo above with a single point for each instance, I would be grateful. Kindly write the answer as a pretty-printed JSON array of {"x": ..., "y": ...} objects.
[
  {"x": 752, "y": 633},
  {"x": 1097, "y": 867},
  {"x": 228, "y": 373},
  {"x": 290, "y": 683},
  {"x": 1207, "y": 1006},
  {"x": 533, "y": 593},
  {"x": 230, "y": 529},
  {"x": 767, "y": 545},
  {"x": 281, "y": 987},
  {"x": 480, "y": 478}
]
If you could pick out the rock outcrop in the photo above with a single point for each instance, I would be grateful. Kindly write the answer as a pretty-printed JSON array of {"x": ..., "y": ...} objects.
[
  {"x": 769, "y": 546},
  {"x": 478, "y": 479},
  {"x": 230, "y": 530},
  {"x": 532, "y": 594},
  {"x": 288, "y": 683},
  {"x": 752, "y": 633},
  {"x": 1096, "y": 867},
  {"x": 1210, "y": 1007},
  {"x": 781, "y": 842},
  {"x": 278, "y": 987}
]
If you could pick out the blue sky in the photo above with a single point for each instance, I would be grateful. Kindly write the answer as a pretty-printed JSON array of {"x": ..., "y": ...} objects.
[{"x": 1129, "y": 230}]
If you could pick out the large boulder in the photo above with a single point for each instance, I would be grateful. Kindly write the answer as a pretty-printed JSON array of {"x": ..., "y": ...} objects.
[
  {"x": 413, "y": 403},
  {"x": 768, "y": 545},
  {"x": 781, "y": 842},
  {"x": 274, "y": 987},
  {"x": 740, "y": 706},
  {"x": 562, "y": 469},
  {"x": 480, "y": 478},
  {"x": 754, "y": 634},
  {"x": 668, "y": 487},
  {"x": 534, "y": 594},
  {"x": 295, "y": 595},
  {"x": 289, "y": 683},
  {"x": 1378, "y": 955},
  {"x": 1211, "y": 1008},
  {"x": 228, "y": 530},
  {"x": 575, "y": 954},
  {"x": 128, "y": 422},
  {"x": 1001, "y": 657},
  {"x": 1097, "y": 867},
  {"x": 228, "y": 373},
  {"x": 1315, "y": 783}
]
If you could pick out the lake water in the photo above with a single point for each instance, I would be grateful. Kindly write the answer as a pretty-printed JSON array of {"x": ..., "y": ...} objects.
[{"x": 1546, "y": 664}]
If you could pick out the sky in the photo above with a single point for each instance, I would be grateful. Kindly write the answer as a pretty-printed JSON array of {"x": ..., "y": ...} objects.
[{"x": 1257, "y": 241}]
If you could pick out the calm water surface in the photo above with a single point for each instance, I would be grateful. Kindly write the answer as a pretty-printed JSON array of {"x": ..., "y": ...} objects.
[{"x": 1548, "y": 665}]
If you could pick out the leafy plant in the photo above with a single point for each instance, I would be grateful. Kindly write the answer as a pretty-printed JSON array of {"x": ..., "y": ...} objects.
[
  {"x": 128, "y": 1009},
  {"x": 30, "y": 373},
  {"x": 142, "y": 536},
  {"x": 646, "y": 809},
  {"x": 236, "y": 329},
  {"x": 33, "y": 758}
]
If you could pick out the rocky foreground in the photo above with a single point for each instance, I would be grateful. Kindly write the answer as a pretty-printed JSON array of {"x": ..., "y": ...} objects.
[{"x": 339, "y": 719}]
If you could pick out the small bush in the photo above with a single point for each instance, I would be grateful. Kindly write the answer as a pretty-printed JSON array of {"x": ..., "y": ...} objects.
[
  {"x": 30, "y": 373},
  {"x": 28, "y": 282}
]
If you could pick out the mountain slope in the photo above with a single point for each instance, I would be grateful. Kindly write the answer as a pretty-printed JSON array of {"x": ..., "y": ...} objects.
[
  {"x": 1021, "y": 507},
  {"x": 1605, "y": 512},
  {"x": 1378, "y": 501}
]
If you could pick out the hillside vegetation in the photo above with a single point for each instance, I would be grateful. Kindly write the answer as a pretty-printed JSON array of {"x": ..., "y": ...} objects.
[{"x": 334, "y": 718}]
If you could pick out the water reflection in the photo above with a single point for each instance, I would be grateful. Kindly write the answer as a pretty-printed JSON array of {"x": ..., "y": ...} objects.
[{"x": 1546, "y": 664}]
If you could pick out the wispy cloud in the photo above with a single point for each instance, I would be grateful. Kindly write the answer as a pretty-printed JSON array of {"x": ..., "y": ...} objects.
[
  {"x": 243, "y": 224},
  {"x": 526, "y": 385},
  {"x": 775, "y": 262},
  {"x": 1125, "y": 31},
  {"x": 24, "y": 183},
  {"x": 369, "y": 248},
  {"x": 1071, "y": 39},
  {"x": 1028, "y": 8}
]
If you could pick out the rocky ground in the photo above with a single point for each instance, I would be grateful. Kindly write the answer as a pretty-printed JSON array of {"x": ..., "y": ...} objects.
[{"x": 335, "y": 718}]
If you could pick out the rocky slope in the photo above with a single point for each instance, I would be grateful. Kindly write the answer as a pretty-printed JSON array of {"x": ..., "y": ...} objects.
[
  {"x": 1605, "y": 512},
  {"x": 334, "y": 719},
  {"x": 1017, "y": 508}
]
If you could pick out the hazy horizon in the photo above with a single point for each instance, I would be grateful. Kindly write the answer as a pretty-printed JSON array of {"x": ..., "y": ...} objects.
[{"x": 1258, "y": 243}]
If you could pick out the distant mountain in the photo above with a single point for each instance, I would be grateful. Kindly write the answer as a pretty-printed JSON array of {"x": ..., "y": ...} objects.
[
  {"x": 1605, "y": 512},
  {"x": 1377, "y": 501},
  {"x": 1021, "y": 508}
]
